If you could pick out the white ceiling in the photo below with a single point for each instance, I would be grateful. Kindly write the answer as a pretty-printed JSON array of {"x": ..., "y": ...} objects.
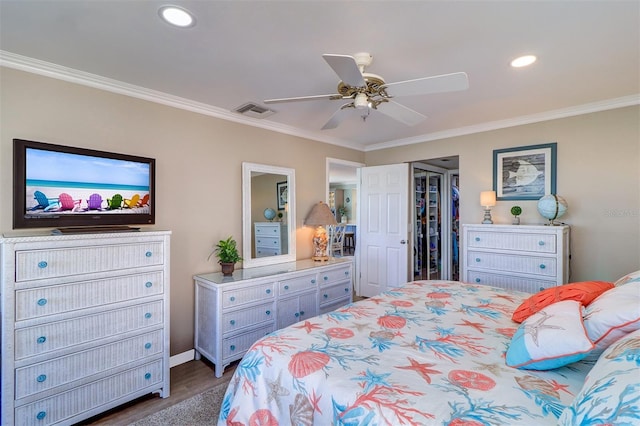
[{"x": 247, "y": 51}]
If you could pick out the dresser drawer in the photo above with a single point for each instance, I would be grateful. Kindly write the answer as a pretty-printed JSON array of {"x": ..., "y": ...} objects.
[
  {"x": 335, "y": 305},
  {"x": 51, "y": 263},
  {"x": 545, "y": 266},
  {"x": 268, "y": 230},
  {"x": 332, "y": 293},
  {"x": 304, "y": 282},
  {"x": 56, "y": 299},
  {"x": 531, "y": 242},
  {"x": 64, "y": 406},
  {"x": 334, "y": 275},
  {"x": 236, "y": 346},
  {"x": 237, "y": 320},
  {"x": 264, "y": 252},
  {"x": 58, "y": 371},
  {"x": 52, "y": 336},
  {"x": 268, "y": 242},
  {"x": 241, "y": 295},
  {"x": 528, "y": 285}
]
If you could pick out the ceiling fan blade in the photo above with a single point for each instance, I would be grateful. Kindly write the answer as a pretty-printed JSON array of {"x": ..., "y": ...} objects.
[
  {"x": 346, "y": 68},
  {"x": 337, "y": 117},
  {"x": 303, "y": 98},
  {"x": 423, "y": 86},
  {"x": 400, "y": 113}
]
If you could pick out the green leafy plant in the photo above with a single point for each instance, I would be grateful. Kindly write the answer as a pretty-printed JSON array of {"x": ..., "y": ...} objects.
[
  {"x": 342, "y": 210},
  {"x": 516, "y": 211},
  {"x": 226, "y": 251}
]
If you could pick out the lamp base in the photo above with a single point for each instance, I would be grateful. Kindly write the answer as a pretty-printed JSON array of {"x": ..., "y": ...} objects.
[
  {"x": 320, "y": 242},
  {"x": 487, "y": 217},
  {"x": 320, "y": 258}
]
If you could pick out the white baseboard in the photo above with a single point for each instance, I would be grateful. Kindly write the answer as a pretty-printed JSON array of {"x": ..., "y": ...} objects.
[{"x": 182, "y": 358}]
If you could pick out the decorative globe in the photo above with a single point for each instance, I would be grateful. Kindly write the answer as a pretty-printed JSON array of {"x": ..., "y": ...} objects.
[
  {"x": 552, "y": 207},
  {"x": 269, "y": 214}
]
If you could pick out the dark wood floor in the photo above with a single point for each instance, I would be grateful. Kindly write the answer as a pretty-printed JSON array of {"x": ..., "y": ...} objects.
[{"x": 187, "y": 380}]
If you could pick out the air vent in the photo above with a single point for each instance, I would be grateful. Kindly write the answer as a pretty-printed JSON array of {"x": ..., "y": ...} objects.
[{"x": 254, "y": 110}]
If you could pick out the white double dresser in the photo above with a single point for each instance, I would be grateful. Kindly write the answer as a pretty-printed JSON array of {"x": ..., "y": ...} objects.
[
  {"x": 233, "y": 312},
  {"x": 85, "y": 323},
  {"x": 527, "y": 258}
]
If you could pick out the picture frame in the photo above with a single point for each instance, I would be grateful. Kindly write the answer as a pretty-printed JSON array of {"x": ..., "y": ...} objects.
[
  {"x": 525, "y": 173},
  {"x": 282, "y": 194}
]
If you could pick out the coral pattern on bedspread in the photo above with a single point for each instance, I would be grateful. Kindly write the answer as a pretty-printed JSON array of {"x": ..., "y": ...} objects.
[{"x": 430, "y": 352}]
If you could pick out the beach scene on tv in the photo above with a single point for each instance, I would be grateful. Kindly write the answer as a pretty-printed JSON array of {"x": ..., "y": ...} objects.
[{"x": 63, "y": 183}]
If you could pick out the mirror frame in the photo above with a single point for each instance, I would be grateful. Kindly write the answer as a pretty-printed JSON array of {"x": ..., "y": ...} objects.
[{"x": 247, "y": 224}]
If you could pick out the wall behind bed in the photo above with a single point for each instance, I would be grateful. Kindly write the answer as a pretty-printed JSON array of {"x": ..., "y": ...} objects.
[
  {"x": 598, "y": 175},
  {"x": 199, "y": 167}
]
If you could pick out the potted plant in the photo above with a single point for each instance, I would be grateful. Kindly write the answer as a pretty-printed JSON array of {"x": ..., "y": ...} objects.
[
  {"x": 516, "y": 211},
  {"x": 342, "y": 213},
  {"x": 227, "y": 253}
]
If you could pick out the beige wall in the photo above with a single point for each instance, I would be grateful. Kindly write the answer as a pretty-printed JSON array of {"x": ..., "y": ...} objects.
[
  {"x": 598, "y": 175},
  {"x": 199, "y": 167}
]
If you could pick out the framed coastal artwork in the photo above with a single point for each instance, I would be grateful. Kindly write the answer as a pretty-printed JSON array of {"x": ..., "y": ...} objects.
[
  {"x": 282, "y": 194},
  {"x": 524, "y": 173}
]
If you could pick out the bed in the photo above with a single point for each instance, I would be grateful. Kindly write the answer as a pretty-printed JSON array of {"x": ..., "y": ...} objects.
[{"x": 429, "y": 352}]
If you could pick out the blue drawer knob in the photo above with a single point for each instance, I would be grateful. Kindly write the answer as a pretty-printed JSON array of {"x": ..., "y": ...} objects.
[
  {"x": 147, "y": 376},
  {"x": 542, "y": 266},
  {"x": 540, "y": 243},
  {"x": 346, "y": 273},
  {"x": 232, "y": 298},
  {"x": 326, "y": 296},
  {"x": 477, "y": 259},
  {"x": 325, "y": 278},
  {"x": 42, "y": 264},
  {"x": 41, "y": 415},
  {"x": 268, "y": 291},
  {"x": 232, "y": 347},
  {"x": 148, "y": 284},
  {"x": 346, "y": 290},
  {"x": 477, "y": 238},
  {"x": 147, "y": 315},
  {"x": 268, "y": 312},
  {"x": 313, "y": 281},
  {"x": 147, "y": 345},
  {"x": 286, "y": 287},
  {"x": 301, "y": 312},
  {"x": 41, "y": 378},
  {"x": 297, "y": 314},
  {"x": 477, "y": 280},
  {"x": 41, "y": 339},
  {"x": 42, "y": 302},
  {"x": 232, "y": 322},
  {"x": 148, "y": 254}
]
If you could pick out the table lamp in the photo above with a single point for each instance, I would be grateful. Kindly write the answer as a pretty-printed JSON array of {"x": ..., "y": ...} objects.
[
  {"x": 487, "y": 199},
  {"x": 320, "y": 216}
]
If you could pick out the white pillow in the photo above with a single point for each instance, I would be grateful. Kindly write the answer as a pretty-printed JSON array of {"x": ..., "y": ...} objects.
[
  {"x": 550, "y": 338},
  {"x": 611, "y": 390},
  {"x": 632, "y": 277},
  {"x": 613, "y": 314}
]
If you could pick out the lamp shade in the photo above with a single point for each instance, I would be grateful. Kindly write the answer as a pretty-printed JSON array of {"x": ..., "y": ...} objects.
[
  {"x": 320, "y": 215},
  {"x": 488, "y": 198}
]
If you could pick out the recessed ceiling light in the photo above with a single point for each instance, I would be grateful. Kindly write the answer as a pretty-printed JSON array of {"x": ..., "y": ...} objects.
[
  {"x": 177, "y": 16},
  {"x": 523, "y": 61}
]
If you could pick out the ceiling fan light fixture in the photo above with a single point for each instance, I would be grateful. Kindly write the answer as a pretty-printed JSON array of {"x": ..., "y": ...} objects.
[
  {"x": 523, "y": 61},
  {"x": 177, "y": 16},
  {"x": 361, "y": 101}
]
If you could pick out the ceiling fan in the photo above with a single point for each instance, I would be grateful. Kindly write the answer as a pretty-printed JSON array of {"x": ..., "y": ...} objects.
[{"x": 366, "y": 91}]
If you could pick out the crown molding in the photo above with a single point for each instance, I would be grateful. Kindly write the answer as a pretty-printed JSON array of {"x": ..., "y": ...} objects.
[
  {"x": 48, "y": 69},
  {"x": 622, "y": 102}
]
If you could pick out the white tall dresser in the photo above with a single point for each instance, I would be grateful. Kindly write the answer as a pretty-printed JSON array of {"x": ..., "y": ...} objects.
[
  {"x": 527, "y": 258},
  {"x": 85, "y": 323},
  {"x": 271, "y": 239}
]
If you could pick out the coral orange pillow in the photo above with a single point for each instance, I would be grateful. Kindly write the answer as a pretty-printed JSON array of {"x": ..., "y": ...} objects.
[{"x": 584, "y": 292}]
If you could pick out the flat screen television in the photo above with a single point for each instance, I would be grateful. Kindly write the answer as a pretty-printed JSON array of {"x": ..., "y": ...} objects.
[{"x": 77, "y": 189}]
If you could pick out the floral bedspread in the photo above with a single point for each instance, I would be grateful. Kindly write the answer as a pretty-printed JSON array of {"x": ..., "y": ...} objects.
[{"x": 428, "y": 353}]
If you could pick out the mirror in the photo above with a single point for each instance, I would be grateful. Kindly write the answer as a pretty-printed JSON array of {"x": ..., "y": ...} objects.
[{"x": 268, "y": 215}]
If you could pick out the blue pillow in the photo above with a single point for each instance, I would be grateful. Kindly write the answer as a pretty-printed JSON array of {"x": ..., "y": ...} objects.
[{"x": 551, "y": 338}]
